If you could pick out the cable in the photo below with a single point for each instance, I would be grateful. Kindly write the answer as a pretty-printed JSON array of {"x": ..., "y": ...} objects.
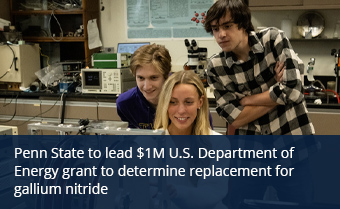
[
  {"x": 97, "y": 108},
  {"x": 14, "y": 58},
  {"x": 6, "y": 104},
  {"x": 60, "y": 105},
  {"x": 31, "y": 5},
  {"x": 41, "y": 119},
  {"x": 63, "y": 104},
  {"x": 7, "y": 71},
  {"x": 337, "y": 96},
  {"x": 13, "y": 62},
  {"x": 318, "y": 81},
  {"x": 326, "y": 90},
  {"x": 63, "y": 109},
  {"x": 43, "y": 55},
  {"x": 49, "y": 27},
  {"x": 15, "y": 111},
  {"x": 39, "y": 113}
]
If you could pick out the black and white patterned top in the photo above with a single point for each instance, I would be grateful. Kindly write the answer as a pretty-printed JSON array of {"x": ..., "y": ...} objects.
[{"x": 232, "y": 80}]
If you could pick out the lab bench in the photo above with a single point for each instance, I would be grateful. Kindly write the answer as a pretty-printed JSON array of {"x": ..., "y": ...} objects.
[{"x": 21, "y": 108}]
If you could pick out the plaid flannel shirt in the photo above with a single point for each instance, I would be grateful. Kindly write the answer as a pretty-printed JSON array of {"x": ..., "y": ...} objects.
[{"x": 232, "y": 80}]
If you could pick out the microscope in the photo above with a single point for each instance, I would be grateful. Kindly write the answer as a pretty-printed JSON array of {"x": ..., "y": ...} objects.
[{"x": 197, "y": 60}]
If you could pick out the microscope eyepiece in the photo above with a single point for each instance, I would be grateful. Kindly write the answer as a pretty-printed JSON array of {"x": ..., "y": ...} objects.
[
  {"x": 187, "y": 43},
  {"x": 193, "y": 43}
]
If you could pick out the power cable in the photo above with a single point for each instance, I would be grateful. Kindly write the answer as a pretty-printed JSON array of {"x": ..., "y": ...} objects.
[
  {"x": 13, "y": 62},
  {"x": 6, "y": 104},
  {"x": 14, "y": 58},
  {"x": 15, "y": 111},
  {"x": 97, "y": 108},
  {"x": 39, "y": 113},
  {"x": 49, "y": 27}
]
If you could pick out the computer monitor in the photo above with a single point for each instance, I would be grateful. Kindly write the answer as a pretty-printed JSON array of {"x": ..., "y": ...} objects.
[{"x": 130, "y": 47}]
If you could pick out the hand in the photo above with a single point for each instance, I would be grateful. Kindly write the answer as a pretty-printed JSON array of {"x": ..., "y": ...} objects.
[
  {"x": 279, "y": 69},
  {"x": 243, "y": 101}
]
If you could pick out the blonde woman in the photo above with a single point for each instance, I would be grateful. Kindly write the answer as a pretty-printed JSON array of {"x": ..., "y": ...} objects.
[
  {"x": 183, "y": 110},
  {"x": 183, "y": 107}
]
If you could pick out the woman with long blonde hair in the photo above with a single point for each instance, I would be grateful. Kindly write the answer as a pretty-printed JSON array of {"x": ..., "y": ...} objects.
[{"x": 183, "y": 107}]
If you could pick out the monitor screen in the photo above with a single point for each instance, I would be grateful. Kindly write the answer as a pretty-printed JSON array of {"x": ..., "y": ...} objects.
[
  {"x": 92, "y": 78},
  {"x": 130, "y": 47}
]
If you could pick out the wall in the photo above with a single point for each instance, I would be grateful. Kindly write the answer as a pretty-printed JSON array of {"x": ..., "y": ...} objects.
[
  {"x": 113, "y": 28},
  {"x": 113, "y": 31}
]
